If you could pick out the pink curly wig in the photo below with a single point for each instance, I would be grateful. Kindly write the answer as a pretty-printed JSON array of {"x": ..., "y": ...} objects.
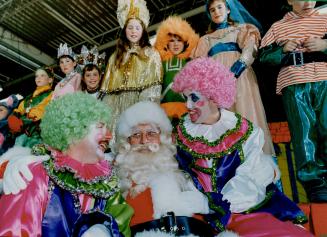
[{"x": 210, "y": 78}]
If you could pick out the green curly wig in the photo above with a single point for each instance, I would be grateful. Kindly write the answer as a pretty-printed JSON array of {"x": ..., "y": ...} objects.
[{"x": 68, "y": 119}]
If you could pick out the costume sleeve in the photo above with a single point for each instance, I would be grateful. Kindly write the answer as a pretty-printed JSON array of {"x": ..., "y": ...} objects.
[
  {"x": 106, "y": 78},
  {"x": 22, "y": 214},
  {"x": 248, "y": 187},
  {"x": 248, "y": 40},
  {"x": 270, "y": 52},
  {"x": 202, "y": 48},
  {"x": 121, "y": 211},
  {"x": 20, "y": 109},
  {"x": 76, "y": 82},
  {"x": 152, "y": 93},
  {"x": 36, "y": 113}
]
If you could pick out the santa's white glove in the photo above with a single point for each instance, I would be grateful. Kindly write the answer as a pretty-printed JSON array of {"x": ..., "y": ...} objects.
[
  {"x": 17, "y": 173},
  {"x": 97, "y": 230}
]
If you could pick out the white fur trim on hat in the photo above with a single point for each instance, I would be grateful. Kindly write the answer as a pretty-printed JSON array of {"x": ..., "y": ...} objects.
[{"x": 141, "y": 113}]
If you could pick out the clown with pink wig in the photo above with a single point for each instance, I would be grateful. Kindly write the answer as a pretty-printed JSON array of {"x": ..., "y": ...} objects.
[{"x": 222, "y": 151}]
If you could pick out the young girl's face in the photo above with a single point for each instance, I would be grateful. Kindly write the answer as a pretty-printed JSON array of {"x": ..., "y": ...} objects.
[
  {"x": 299, "y": 6},
  {"x": 218, "y": 11},
  {"x": 175, "y": 45},
  {"x": 42, "y": 78},
  {"x": 92, "y": 79},
  {"x": 134, "y": 31},
  {"x": 67, "y": 65},
  {"x": 3, "y": 112}
]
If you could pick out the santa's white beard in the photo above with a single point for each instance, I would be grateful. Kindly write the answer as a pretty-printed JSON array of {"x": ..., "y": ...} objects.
[{"x": 138, "y": 167}]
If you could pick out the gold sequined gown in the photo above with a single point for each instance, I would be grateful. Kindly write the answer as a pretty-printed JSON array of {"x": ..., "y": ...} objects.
[{"x": 138, "y": 78}]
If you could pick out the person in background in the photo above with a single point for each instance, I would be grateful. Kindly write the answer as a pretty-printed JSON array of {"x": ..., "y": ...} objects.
[
  {"x": 6, "y": 108},
  {"x": 92, "y": 63},
  {"x": 298, "y": 44},
  {"x": 72, "y": 81},
  {"x": 26, "y": 119},
  {"x": 134, "y": 71},
  {"x": 175, "y": 41},
  {"x": 233, "y": 41}
]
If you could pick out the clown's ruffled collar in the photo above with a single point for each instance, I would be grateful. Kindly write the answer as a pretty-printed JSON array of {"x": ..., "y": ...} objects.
[
  {"x": 214, "y": 131},
  {"x": 84, "y": 172},
  {"x": 97, "y": 179},
  {"x": 216, "y": 140}
]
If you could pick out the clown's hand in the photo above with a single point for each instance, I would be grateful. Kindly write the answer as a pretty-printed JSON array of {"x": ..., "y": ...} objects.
[
  {"x": 17, "y": 173},
  {"x": 97, "y": 230}
]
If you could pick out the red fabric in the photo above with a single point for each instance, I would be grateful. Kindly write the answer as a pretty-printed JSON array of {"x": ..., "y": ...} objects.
[
  {"x": 143, "y": 207},
  {"x": 264, "y": 224},
  {"x": 3, "y": 168},
  {"x": 15, "y": 124},
  {"x": 319, "y": 218}
]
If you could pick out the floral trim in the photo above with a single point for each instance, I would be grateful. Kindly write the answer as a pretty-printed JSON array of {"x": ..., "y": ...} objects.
[
  {"x": 202, "y": 139},
  {"x": 40, "y": 150},
  {"x": 66, "y": 180},
  {"x": 300, "y": 219},
  {"x": 228, "y": 151},
  {"x": 268, "y": 197},
  {"x": 214, "y": 207}
]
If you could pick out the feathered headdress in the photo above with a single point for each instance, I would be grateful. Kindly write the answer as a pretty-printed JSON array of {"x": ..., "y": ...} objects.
[
  {"x": 128, "y": 9},
  {"x": 64, "y": 50},
  {"x": 91, "y": 56},
  {"x": 175, "y": 25}
]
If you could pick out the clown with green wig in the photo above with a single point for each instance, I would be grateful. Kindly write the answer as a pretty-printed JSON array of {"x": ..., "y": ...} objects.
[{"x": 72, "y": 189}]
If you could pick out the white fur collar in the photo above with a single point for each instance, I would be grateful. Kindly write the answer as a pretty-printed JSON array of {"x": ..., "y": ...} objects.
[{"x": 212, "y": 132}]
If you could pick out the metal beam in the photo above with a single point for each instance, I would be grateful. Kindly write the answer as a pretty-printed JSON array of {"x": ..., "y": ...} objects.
[
  {"x": 154, "y": 27},
  {"x": 68, "y": 23},
  {"x": 8, "y": 39},
  {"x": 18, "y": 58}
]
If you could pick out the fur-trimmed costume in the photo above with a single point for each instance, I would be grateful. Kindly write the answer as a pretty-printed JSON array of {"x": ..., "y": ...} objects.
[
  {"x": 31, "y": 111},
  {"x": 172, "y": 102},
  {"x": 152, "y": 182}
]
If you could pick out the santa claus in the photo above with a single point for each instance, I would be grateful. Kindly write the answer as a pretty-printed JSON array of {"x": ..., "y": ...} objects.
[{"x": 165, "y": 200}]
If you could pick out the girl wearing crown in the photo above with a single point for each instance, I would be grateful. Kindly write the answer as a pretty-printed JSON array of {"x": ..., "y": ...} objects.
[
  {"x": 92, "y": 63},
  {"x": 175, "y": 41},
  {"x": 72, "y": 81},
  {"x": 234, "y": 42},
  {"x": 134, "y": 71}
]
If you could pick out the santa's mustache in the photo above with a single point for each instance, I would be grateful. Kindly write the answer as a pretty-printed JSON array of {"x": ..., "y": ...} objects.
[{"x": 152, "y": 147}]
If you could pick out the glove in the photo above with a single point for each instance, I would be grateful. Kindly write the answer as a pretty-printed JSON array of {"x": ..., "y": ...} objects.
[
  {"x": 98, "y": 230},
  {"x": 17, "y": 173},
  {"x": 15, "y": 124}
]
